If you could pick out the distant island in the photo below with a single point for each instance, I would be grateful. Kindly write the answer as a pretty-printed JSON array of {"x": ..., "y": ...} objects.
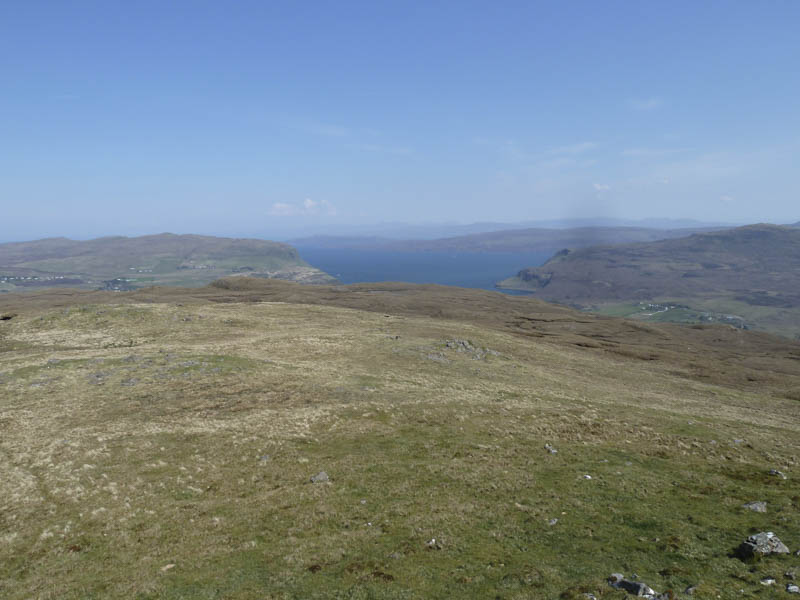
[
  {"x": 748, "y": 277},
  {"x": 123, "y": 263}
]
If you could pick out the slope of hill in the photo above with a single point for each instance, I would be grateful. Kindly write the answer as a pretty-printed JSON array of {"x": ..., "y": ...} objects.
[
  {"x": 162, "y": 443},
  {"x": 125, "y": 263},
  {"x": 517, "y": 240},
  {"x": 751, "y": 274}
]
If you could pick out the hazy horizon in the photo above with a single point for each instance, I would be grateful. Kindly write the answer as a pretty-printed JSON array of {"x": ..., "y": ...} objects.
[{"x": 287, "y": 120}]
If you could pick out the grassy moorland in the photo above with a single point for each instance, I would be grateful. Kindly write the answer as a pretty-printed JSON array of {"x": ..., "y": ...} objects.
[{"x": 160, "y": 444}]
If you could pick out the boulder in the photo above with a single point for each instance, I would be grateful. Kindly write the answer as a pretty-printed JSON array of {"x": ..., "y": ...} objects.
[
  {"x": 762, "y": 544},
  {"x": 760, "y": 507}
]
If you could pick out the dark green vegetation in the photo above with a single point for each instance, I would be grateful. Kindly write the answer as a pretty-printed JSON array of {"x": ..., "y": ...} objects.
[
  {"x": 160, "y": 444},
  {"x": 748, "y": 276},
  {"x": 512, "y": 240},
  {"x": 121, "y": 263}
]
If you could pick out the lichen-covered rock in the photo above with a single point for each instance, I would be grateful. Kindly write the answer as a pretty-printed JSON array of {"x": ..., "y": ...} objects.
[{"x": 762, "y": 544}]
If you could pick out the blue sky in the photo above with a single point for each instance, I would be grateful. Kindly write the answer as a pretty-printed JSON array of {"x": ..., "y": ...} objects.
[{"x": 268, "y": 118}]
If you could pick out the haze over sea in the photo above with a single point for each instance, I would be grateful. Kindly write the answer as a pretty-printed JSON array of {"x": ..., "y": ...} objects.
[{"x": 464, "y": 269}]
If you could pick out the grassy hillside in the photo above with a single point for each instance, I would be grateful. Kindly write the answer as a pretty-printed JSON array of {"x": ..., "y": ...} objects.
[
  {"x": 161, "y": 444},
  {"x": 749, "y": 275},
  {"x": 126, "y": 263}
]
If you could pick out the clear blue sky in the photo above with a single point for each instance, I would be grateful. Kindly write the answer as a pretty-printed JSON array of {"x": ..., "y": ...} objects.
[{"x": 265, "y": 117}]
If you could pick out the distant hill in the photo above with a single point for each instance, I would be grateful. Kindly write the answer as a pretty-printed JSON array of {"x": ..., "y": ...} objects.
[
  {"x": 748, "y": 276},
  {"x": 122, "y": 263},
  {"x": 514, "y": 240}
]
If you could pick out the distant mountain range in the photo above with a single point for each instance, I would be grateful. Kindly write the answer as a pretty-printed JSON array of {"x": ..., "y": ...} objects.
[
  {"x": 432, "y": 231},
  {"x": 512, "y": 240},
  {"x": 751, "y": 274},
  {"x": 122, "y": 263}
]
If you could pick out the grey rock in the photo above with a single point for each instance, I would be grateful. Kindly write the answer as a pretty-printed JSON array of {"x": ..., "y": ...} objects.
[
  {"x": 777, "y": 473},
  {"x": 790, "y": 574},
  {"x": 264, "y": 458},
  {"x": 689, "y": 591},
  {"x": 762, "y": 544},
  {"x": 321, "y": 477},
  {"x": 550, "y": 449},
  {"x": 759, "y": 506},
  {"x": 792, "y": 588},
  {"x": 637, "y": 588},
  {"x": 552, "y": 522},
  {"x": 465, "y": 346},
  {"x": 768, "y": 581},
  {"x": 437, "y": 357}
]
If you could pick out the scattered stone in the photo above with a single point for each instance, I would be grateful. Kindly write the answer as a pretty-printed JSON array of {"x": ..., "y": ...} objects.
[
  {"x": 437, "y": 357},
  {"x": 53, "y": 361},
  {"x": 550, "y": 449},
  {"x": 768, "y": 581},
  {"x": 264, "y": 458},
  {"x": 689, "y": 591},
  {"x": 321, "y": 477},
  {"x": 166, "y": 568},
  {"x": 777, "y": 473},
  {"x": 129, "y": 382},
  {"x": 395, "y": 556},
  {"x": 637, "y": 588},
  {"x": 762, "y": 544},
  {"x": 589, "y": 596},
  {"x": 793, "y": 588},
  {"x": 759, "y": 506},
  {"x": 432, "y": 544},
  {"x": 587, "y": 476},
  {"x": 465, "y": 346},
  {"x": 790, "y": 574},
  {"x": 738, "y": 441},
  {"x": 552, "y": 522}
]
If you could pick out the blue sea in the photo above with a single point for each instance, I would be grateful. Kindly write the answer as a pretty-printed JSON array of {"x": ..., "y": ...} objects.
[{"x": 463, "y": 269}]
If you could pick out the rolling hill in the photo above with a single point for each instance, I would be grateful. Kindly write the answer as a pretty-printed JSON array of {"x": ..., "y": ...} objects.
[
  {"x": 122, "y": 263},
  {"x": 747, "y": 275},
  {"x": 262, "y": 439}
]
